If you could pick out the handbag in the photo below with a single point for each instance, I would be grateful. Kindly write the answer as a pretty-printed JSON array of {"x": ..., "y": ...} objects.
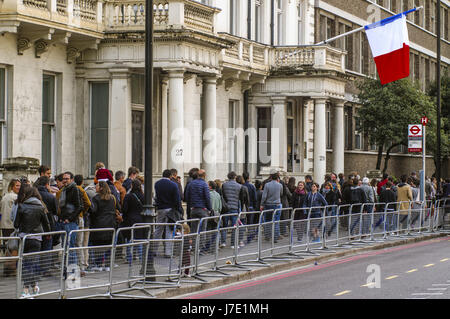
[
  {"x": 13, "y": 243},
  {"x": 119, "y": 218}
]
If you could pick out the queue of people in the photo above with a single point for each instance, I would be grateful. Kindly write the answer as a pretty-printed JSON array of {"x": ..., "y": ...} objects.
[{"x": 65, "y": 204}]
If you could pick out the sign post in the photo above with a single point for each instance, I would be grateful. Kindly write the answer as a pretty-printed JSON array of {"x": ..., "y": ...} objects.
[{"x": 424, "y": 121}]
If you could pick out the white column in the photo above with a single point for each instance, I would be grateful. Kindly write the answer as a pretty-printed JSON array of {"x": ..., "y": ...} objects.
[
  {"x": 279, "y": 134},
  {"x": 120, "y": 117},
  {"x": 320, "y": 145},
  {"x": 164, "y": 139},
  {"x": 338, "y": 138},
  {"x": 175, "y": 119},
  {"x": 209, "y": 127}
]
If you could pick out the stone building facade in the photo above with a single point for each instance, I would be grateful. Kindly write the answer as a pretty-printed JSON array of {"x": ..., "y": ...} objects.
[{"x": 237, "y": 84}]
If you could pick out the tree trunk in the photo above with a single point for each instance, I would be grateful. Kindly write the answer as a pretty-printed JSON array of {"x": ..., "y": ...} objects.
[
  {"x": 388, "y": 155},
  {"x": 380, "y": 156}
]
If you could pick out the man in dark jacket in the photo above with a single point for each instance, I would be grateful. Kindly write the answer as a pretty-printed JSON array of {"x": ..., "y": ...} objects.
[
  {"x": 231, "y": 191},
  {"x": 167, "y": 200},
  {"x": 193, "y": 174},
  {"x": 355, "y": 196},
  {"x": 199, "y": 199},
  {"x": 133, "y": 172},
  {"x": 70, "y": 205}
]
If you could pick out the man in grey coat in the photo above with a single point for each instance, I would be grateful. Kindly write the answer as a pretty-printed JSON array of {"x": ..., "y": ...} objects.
[
  {"x": 230, "y": 192},
  {"x": 271, "y": 203}
]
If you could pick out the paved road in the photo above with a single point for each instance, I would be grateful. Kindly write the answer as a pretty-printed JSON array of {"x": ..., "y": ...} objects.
[{"x": 418, "y": 270}]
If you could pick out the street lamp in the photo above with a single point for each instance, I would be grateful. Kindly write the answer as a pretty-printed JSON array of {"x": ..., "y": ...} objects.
[
  {"x": 438, "y": 95},
  {"x": 149, "y": 210}
]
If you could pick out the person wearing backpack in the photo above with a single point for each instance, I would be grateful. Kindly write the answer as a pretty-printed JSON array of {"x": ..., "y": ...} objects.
[{"x": 357, "y": 198}]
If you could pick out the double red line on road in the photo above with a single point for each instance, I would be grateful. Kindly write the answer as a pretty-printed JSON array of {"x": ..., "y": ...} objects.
[{"x": 302, "y": 271}]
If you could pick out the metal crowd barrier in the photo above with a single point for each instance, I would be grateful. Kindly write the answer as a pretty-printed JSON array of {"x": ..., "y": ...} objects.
[
  {"x": 8, "y": 269},
  {"x": 129, "y": 261},
  {"x": 131, "y": 250},
  {"x": 101, "y": 264},
  {"x": 40, "y": 272}
]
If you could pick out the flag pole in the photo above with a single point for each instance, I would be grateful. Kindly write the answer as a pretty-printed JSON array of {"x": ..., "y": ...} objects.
[
  {"x": 438, "y": 95},
  {"x": 349, "y": 32}
]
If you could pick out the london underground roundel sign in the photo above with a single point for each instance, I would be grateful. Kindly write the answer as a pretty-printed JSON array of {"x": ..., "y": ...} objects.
[{"x": 415, "y": 130}]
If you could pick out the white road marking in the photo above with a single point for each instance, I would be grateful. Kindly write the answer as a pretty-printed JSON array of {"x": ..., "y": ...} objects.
[
  {"x": 427, "y": 294},
  {"x": 437, "y": 289}
]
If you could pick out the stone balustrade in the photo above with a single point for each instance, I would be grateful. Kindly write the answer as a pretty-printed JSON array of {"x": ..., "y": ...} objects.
[
  {"x": 318, "y": 57},
  {"x": 79, "y": 14},
  {"x": 129, "y": 15},
  {"x": 246, "y": 53}
]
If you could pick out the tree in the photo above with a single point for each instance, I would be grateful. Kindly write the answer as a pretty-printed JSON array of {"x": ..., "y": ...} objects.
[{"x": 387, "y": 110}]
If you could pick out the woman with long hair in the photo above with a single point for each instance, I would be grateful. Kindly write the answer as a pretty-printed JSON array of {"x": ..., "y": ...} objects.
[
  {"x": 298, "y": 199},
  {"x": 132, "y": 209},
  {"x": 291, "y": 184},
  {"x": 316, "y": 202},
  {"x": 103, "y": 215},
  {"x": 31, "y": 218},
  {"x": 6, "y": 224}
]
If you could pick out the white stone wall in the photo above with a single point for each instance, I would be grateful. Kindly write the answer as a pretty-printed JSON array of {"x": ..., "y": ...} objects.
[{"x": 25, "y": 111}]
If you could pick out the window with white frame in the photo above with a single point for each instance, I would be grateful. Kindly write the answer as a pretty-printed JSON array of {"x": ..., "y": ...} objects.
[
  {"x": 233, "y": 120},
  {"x": 137, "y": 123},
  {"x": 258, "y": 20},
  {"x": 328, "y": 125},
  {"x": 48, "y": 151},
  {"x": 299, "y": 23},
  {"x": 234, "y": 17},
  {"x": 279, "y": 12},
  {"x": 99, "y": 124},
  {"x": 3, "y": 111}
]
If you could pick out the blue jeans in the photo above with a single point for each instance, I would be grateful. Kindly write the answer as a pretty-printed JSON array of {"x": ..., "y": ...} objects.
[
  {"x": 30, "y": 272},
  {"x": 71, "y": 241},
  {"x": 226, "y": 223},
  {"x": 333, "y": 211},
  {"x": 268, "y": 217}
]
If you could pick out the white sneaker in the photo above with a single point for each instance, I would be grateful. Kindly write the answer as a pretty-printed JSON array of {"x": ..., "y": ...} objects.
[
  {"x": 222, "y": 245},
  {"x": 36, "y": 290},
  {"x": 106, "y": 269},
  {"x": 241, "y": 244},
  {"x": 232, "y": 247},
  {"x": 25, "y": 293}
]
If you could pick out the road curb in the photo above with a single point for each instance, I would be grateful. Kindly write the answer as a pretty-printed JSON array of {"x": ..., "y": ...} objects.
[{"x": 254, "y": 273}]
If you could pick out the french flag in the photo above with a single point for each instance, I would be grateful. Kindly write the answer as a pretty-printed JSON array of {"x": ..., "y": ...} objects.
[{"x": 389, "y": 42}]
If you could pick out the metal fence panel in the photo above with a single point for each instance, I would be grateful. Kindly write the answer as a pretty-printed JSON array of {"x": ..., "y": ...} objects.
[
  {"x": 40, "y": 269},
  {"x": 249, "y": 253},
  {"x": 131, "y": 248},
  {"x": 98, "y": 274},
  {"x": 9, "y": 286},
  {"x": 228, "y": 245}
]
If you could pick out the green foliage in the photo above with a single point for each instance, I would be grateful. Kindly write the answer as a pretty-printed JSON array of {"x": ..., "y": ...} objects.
[{"x": 386, "y": 111}]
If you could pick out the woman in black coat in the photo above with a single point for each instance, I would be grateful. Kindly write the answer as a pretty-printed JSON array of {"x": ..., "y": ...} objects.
[
  {"x": 297, "y": 201},
  {"x": 31, "y": 219},
  {"x": 103, "y": 215},
  {"x": 132, "y": 209}
]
